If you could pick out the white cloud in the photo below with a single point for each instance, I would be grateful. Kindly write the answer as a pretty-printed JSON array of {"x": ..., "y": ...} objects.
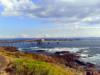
[
  {"x": 52, "y": 9},
  {"x": 69, "y": 13},
  {"x": 16, "y": 7},
  {"x": 25, "y": 36}
]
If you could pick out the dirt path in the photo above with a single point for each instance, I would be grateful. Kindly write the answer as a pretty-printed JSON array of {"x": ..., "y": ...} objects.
[{"x": 3, "y": 62}]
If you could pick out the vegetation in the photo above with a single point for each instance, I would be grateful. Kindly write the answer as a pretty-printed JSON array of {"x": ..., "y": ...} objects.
[
  {"x": 32, "y": 64},
  {"x": 33, "y": 67}
]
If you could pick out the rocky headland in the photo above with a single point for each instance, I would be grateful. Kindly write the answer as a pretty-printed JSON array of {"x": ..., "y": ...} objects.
[{"x": 59, "y": 63}]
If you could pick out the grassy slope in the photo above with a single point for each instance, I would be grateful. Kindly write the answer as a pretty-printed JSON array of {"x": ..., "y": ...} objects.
[
  {"x": 34, "y": 67},
  {"x": 24, "y": 64}
]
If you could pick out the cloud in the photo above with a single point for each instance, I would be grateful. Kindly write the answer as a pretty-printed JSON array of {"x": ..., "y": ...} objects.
[
  {"x": 61, "y": 11},
  {"x": 17, "y": 7},
  {"x": 55, "y": 11}
]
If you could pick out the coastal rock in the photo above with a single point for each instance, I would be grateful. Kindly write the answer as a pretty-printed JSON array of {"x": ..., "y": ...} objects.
[{"x": 10, "y": 49}]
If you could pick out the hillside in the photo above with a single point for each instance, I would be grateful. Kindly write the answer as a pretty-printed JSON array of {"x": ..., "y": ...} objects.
[{"x": 19, "y": 63}]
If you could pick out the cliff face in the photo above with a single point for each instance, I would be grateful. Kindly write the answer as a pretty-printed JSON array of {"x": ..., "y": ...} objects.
[{"x": 38, "y": 64}]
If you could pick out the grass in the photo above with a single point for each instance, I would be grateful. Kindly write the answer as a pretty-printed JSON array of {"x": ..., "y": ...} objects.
[
  {"x": 33, "y": 67},
  {"x": 32, "y": 64}
]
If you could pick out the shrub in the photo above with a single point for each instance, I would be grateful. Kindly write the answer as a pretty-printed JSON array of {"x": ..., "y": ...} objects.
[{"x": 33, "y": 67}]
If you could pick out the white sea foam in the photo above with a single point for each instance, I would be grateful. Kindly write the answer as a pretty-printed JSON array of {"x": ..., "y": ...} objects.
[
  {"x": 74, "y": 50},
  {"x": 94, "y": 59},
  {"x": 84, "y": 55}
]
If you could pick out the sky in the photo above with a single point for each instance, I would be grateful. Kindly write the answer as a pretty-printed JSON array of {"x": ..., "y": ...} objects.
[{"x": 49, "y": 18}]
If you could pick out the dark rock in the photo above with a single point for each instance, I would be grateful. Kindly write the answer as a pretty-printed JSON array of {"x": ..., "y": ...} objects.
[
  {"x": 62, "y": 52},
  {"x": 10, "y": 49},
  {"x": 80, "y": 62}
]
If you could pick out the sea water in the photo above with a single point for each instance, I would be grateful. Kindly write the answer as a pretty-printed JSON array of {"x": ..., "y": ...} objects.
[{"x": 88, "y": 49}]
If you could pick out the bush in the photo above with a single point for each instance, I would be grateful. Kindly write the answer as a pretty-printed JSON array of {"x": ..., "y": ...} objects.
[{"x": 33, "y": 67}]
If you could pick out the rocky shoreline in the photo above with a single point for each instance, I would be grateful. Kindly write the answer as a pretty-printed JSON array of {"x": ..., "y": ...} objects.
[
  {"x": 72, "y": 60},
  {"x": 64, "y": 58}
]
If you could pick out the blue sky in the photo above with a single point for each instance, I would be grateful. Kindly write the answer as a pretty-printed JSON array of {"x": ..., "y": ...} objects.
[{"x": 49, "y": 18}]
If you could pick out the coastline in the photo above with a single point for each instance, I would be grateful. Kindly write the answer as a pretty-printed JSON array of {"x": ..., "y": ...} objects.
[
  {"x": 17, "y": 58},
  {"x": 63, "y": 59}
]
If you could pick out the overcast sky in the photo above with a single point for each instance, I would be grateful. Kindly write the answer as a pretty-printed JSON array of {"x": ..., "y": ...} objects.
[{"x": 49, "y": 18}]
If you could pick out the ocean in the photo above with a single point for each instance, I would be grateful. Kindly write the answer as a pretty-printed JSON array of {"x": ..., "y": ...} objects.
[{"x": 87, "y": 48}]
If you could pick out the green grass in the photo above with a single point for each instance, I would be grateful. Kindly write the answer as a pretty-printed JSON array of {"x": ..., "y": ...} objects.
[
  {"x": 32, "y": 64},
  {"x": 33, "y": 67}
]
